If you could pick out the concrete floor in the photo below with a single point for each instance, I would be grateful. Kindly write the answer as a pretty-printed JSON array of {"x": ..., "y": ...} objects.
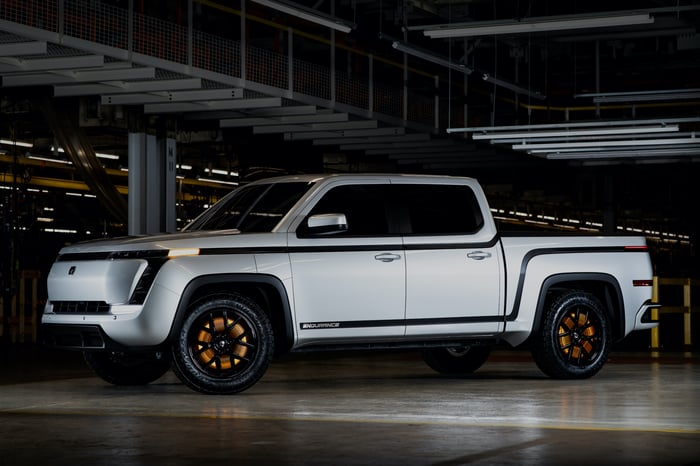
[{"x": 356, "y": 409}]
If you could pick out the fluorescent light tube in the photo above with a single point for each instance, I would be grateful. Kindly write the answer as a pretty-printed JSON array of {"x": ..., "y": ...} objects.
[
  {"x": 578, "y": 133},
  {"x": 513, "y": 87},
  {"x": 626, "y": 143},
  {"x": 575, "y": 124},
  {"x": 612, "y": 154},
  {"x": 309, "y": 14},
  {"x": 541, "y": 24},
  {"x": 646, "y": 97},
  {"x": 431, "y": 57}
]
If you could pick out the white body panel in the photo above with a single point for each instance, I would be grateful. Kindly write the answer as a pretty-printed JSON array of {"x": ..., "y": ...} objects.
[{"x": 342, "y": 289}]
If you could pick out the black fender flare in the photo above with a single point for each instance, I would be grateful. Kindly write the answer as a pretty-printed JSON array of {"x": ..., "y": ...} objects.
[
  {"x": 614, "y": 303},
  {"x": 235, "y": 278}
]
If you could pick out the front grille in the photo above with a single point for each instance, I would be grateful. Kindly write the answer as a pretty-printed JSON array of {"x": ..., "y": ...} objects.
[{"x": 80, "y": 307}]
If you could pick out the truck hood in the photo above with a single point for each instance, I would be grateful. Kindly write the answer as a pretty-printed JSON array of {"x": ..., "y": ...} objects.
[{"x": 149, "y": 242}]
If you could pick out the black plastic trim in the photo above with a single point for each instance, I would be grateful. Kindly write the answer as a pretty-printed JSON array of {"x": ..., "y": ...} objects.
[
  {"x": 223, "y": 279},
  {"x": 539, "y": 252},
  {"x": 553, "y": 280}
]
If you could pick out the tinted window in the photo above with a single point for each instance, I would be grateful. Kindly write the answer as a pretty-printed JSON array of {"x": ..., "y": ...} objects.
[
  {"x": 254, "y": 208},
  {"x": 363, "y": 206},
  {"x": 441, "y": 209}
]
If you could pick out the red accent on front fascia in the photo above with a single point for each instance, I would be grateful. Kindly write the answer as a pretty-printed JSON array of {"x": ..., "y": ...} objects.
[
  {"x": 642, "y": 282},
  {"x": 636, "y": 248}
]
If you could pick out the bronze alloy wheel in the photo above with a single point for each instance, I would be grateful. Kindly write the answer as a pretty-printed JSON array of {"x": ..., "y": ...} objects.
[
  {"x": 578, "y": 336},
  {"x": 221, "y": 343},
  {"x": 575, "y": 337},
  {"x": 224, "y": 345}
]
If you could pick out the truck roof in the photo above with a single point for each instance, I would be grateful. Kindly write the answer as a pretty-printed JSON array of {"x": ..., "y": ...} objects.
[{"x": 392, "y": 176}]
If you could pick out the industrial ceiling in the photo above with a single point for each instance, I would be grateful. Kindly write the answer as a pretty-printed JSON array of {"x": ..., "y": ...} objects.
[{"x": 574, "y": 115}]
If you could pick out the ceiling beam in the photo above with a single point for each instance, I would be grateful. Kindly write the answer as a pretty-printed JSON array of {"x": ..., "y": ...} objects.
[
  {"x": 434, "y": 144},
  {"x": 330, "y": 126},
  {"x": 371, "y": 139},
  {"x": 22, "y": 48},
  {"x": 52, "y": 63},
  {"x": 109, "y": 87},
  {"x": 175, "y": 96},
  {"x": 419, "y": 149},
  {"x": 237, "y": 104},
  {"x": 293, "y": 119},
  {"x": 78, "y": 76},
  {"x": 350, "y": 133}
]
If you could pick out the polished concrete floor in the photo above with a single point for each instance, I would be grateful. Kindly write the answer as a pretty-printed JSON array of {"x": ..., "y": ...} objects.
[{"x": 356, "y": 409}]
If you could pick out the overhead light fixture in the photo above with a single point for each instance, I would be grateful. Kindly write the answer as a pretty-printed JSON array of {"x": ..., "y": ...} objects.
[
  {"x": 600, "y": 145},
  {"x": 212, "y": 180},
  {"x": 616, "y": 154},
  {"x": 575, "y": 124},
  {"x": 431, "y": 57},
  {"x": 577, "y": 133},
  {"x": 97, "y": 154},
  {"x": 10, "y": 142},
  {"x": 308, "y": 14},
  {"x": 651, "y": 138},
  {"x": 513, "y": 87},
  {"x": 556, "y": 146},
  {"x": 538, "y": 24},
  {"x": 643, "y": 96},
  {"x": 47, "y": 159}
]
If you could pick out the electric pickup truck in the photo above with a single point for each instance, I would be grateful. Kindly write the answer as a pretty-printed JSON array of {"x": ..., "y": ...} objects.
[{"x": 341, "y": 262}]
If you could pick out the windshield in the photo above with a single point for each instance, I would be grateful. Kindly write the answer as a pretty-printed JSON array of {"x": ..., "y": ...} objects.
[{"x": 254, "y": 208}]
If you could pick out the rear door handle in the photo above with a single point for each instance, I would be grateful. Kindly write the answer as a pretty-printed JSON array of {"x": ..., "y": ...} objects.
[
  {"x": 479, "y": 255},
  {"x": 387, "y": 257}
]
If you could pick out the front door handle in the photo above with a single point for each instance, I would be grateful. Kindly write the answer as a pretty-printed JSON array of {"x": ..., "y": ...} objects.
[
  {"x": 479, "y": 255},
  {"x": 387, "y": 257}
]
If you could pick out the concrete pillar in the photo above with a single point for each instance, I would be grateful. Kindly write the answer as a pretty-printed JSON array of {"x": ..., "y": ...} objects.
[
  {"x": 137, "y": 183},
  {"x": 152, "y": 182}
]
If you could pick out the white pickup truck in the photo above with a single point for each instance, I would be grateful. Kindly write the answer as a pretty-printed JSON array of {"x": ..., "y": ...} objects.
[{"x": 338, "y": 262}]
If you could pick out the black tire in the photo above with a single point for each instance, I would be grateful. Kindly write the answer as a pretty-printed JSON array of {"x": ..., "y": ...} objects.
[
  {"x": 119, "y": 368},
  {"x": 575, "y": 337},
  {"x": 458, "y": 360},
  {"x": 224, "y": 346}
]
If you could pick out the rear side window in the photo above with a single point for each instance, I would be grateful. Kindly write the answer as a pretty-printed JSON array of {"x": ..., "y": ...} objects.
[{"x": 441, "y": 209}]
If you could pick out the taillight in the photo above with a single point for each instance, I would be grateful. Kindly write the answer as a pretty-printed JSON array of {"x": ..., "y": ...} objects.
[
  {"x": 636, "y": 248},
  {"x": 642, "y": 282}
]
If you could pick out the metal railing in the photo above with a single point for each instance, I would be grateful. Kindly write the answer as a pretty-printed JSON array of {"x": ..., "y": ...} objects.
[
  {"x": 19, "y": 320},
  {"x": 682, "y": 288},
  {"x": 107, "y": 25}
]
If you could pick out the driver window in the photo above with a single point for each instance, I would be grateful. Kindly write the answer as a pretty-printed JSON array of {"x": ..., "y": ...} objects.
[{"x": 363, "y": 206}]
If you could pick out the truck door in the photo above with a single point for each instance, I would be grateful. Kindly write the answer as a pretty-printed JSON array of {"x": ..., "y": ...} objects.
[
  {"x": 348, "y": 284},
  {"x": 453, "y": 263}
]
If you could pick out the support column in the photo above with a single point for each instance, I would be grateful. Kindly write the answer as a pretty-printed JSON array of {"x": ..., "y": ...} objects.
[
  {"x": 169, "y": 192},
  {"x": 152, "y": 183},
  {"x": 609, "y": 205},
  {"x": 137, "y": 183}
]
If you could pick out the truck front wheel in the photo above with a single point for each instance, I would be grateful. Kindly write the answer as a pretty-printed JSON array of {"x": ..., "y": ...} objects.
[
  {"x": 224, "y": 346},
  {"x": 575, "y": 337}
]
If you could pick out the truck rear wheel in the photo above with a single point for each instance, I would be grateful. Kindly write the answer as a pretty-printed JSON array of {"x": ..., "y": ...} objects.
[
  {"x": 224, "y": 346},
  {"x": 461, "y": 360},
  {"x": 575, "y": 337},
  {"x": 119, "y": 368}
]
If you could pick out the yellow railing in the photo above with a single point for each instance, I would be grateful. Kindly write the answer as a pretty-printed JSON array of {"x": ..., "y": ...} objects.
[
  {"x": 686, "y": 285},
  {"x": 22, "y": 321}
]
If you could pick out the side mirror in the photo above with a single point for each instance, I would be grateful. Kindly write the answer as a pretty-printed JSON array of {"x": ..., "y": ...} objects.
[{"x": 327, "y": 224}]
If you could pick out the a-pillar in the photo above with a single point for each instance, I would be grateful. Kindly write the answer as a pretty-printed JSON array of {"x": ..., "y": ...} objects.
[{"x": 152, "y": 182}]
